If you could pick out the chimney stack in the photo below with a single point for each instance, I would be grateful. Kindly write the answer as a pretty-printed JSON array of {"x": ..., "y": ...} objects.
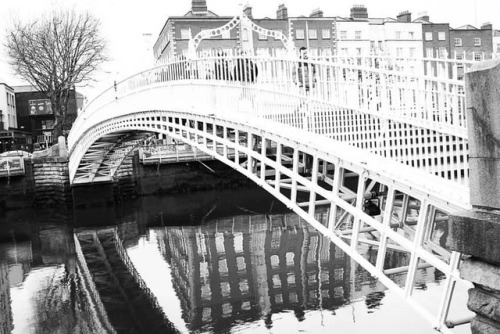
[
  {"x": 199, "y": 7},
  {"x": 282, "y": 13},
  {"x": 317, "y": 13},
  {"x": 487, "y": 25},
  {"x": 248, "y": 12},
  {"x": 423, "y": 16},
  {"x": 404, "y": 17},
  {"x": 359, "y": 12}
]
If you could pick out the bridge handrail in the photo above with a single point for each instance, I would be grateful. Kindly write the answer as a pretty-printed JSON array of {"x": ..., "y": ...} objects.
[{"x": 435, "y": 82}]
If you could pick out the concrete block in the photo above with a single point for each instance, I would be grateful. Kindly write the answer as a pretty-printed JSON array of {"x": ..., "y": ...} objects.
[
  {"x": 481, "y": 273},
  {"x": 481, "y": 325},
  {"x": 484, "y": 303},
  {"x": 484, "y": 182},
  {"x": 475, "y": 232},
  {"x": 483, "y": 118}
]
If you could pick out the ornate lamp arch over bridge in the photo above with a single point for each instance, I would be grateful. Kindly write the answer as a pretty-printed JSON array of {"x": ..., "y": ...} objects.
[{"x": 245, "y": 23}]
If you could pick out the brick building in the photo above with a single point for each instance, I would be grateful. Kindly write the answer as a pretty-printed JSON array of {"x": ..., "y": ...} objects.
[
  {"x": 436, "y": 38},
  {"x": 35, "y": 116},
  {"x": 355, "y": 35},
  {"x": 469, "y": 42}
]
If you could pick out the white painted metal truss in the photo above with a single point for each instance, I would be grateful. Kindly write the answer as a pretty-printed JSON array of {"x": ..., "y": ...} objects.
[
  {"x": 307, "y": 171},
  {"x": 338, "y": 144},
  {"x": 105, "y": 155},
  {"x": 410, "y": 110}
]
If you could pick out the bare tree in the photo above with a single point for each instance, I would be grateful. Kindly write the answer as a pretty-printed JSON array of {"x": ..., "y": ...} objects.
[{"x": 54, "y": 53}]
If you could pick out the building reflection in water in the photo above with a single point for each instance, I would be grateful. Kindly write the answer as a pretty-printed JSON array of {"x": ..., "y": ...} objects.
[{"x": 246, "y": 268}]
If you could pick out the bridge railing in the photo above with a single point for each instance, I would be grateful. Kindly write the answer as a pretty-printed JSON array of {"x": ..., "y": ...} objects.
[
  {"x": 369, "y": 102},
  {"x": 420, "y": 88}
]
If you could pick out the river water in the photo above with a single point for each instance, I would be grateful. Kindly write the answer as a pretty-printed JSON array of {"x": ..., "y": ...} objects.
[{"x": 233, "y": 261}]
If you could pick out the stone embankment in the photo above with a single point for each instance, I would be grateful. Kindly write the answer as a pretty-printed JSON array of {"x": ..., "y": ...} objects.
[{"x": 51, "y": 181}]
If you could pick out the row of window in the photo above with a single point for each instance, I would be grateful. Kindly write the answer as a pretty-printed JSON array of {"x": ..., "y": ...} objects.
[
  {"x": 442, "y": 37},
  {"x": 312, "y": 34},
  {"x": 11, "y": 101},
  {"x": 443, "y": 53},
  {"x": 299, "y": 34},
  {"x": 343, "y": 35}
]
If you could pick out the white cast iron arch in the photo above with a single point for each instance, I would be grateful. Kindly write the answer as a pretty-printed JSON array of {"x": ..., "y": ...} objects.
[{"x": 330, "y": 164}]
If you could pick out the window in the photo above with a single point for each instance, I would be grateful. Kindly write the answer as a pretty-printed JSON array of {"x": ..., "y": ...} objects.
[
  {"x": 226, "y": 34},
  {"x": 459, "y": 57},
  {"x": 398, "y": 34},
  {"x": 413, "y": 52},
  {"x": 443, "y": 53},
  {"x": 380, "y": 45},
  {"x": 478, "y": 56},
  {"x": 477, "y": 41},
  {"x": 185, "y": 34},
  {"x": 325, "y": 33},
  {"x": 343, "y": 35},
  {"x": 357, "y": 35},
  {"x": 47, "y": 124},
  {"x": 399, "y": 52},
  {"x": 411, "y": 34},
  {"x": 262, "y": 37},
  {"x": 428, "y": 36},
  {"x": 458, "y": 42},
  {"x": 441, "y": 36},
  {"x": 299, "y": 33},
  {"x": 358, "y": 51},
  {"x": 344, "y": 51},
  {"x": 244, "y": 35},
  {"x": 313, "y": 34},
  {"x": 429, "y": 52}
]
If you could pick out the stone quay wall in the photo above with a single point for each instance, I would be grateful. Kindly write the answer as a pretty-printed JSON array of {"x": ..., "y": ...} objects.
[
  {"x": 476, "y": 232},
  {"x": 51, "y": 182},
  {"x": 46, "y": 182}
]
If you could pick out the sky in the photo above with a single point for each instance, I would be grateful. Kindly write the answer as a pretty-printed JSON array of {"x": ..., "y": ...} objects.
[{"x": 126, "y": 24}]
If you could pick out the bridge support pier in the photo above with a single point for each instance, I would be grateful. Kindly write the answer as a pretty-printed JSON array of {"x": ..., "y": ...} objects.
[{"x": 477, "y": 232}]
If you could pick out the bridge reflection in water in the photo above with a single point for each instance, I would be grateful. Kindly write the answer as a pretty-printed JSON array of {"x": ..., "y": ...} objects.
[{"x": 242, "y": 273}]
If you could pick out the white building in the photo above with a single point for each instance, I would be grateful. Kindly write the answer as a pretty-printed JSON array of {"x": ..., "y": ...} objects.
[
  {"x": 496, "y": 43},
  {"x": 395, "y": 38},
  {"x": 353, "y": 37},
  {"x": 8, "y": 118},
  {"x": 360, "y": 35}
]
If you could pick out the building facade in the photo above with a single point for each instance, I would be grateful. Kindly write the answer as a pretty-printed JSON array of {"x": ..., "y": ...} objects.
[
  {"x": 471, "y": 43},
  {"x": 12, "y": 136},
  {"x": 357, "y": 35},
  {"x": 496, "y": 43},
  {"x": 35, "y": 115}
]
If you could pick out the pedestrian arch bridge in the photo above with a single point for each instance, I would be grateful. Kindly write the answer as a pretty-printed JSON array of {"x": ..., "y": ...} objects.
[{"x": 381, "y": 142}]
